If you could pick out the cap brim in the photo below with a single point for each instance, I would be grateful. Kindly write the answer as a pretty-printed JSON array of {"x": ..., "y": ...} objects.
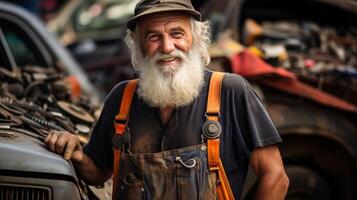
[{"x": 132, "y": 22}]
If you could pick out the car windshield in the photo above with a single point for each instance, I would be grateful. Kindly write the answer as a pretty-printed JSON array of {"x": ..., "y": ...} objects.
[{"x": 105, "y": 14}]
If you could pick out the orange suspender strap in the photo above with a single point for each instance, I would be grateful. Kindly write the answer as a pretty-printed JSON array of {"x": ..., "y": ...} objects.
[
  {"x": 120, "y": 129},
  {"x": 212, "y": 113}
]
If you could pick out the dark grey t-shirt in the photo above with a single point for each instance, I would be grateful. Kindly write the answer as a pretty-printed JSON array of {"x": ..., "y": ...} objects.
[{"x": 244, "y": 120}]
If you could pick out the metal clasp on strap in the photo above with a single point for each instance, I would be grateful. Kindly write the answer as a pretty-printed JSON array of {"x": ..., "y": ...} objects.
[
  {"x": 215, "y": 168},
  {"x": 212, "y": 114},
  {"x": 120, "y": 121},
  {"x": 211, "y": 129},
  {"x": 118, "y": 141}
]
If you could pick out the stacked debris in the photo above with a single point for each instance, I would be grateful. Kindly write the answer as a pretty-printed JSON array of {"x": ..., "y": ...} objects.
[
  {"x": 35, "y": 100},
  {"x": 324, "y": 57}
]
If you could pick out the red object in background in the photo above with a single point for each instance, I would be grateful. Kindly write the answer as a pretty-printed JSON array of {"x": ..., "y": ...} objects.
[
  {"x": 309, "y": 63},
  {"x": 249, "y": 66},
  {"x": 74, "y": 86}
]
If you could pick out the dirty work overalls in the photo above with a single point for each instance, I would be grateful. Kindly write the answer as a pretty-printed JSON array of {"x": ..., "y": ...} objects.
[{"x": 193, "y": 172}]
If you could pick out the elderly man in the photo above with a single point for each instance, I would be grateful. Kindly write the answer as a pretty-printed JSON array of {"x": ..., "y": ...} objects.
[{"x": 165, "y": 146}]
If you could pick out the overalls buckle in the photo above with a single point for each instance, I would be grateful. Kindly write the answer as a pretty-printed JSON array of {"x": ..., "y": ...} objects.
[{"x": 118, "y": 141}]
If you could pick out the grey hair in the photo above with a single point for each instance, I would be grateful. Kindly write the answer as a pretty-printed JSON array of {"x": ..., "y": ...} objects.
[{"x": 201, "y": 40}]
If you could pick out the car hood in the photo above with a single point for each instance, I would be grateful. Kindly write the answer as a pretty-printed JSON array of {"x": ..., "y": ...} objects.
[{"x": 23, "y": 153}]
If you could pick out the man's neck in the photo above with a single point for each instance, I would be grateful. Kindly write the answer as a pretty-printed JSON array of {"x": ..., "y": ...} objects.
[{"x": 165, "y": 113}]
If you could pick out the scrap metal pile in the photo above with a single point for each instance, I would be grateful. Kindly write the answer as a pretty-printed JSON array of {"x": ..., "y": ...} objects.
[
  {"x": 35, "y": 100},
  {"x": 322, "y": 56}
]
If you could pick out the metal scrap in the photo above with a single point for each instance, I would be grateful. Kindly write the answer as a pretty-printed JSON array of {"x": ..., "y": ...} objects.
[
  {"x": 31, "y": 103},
  {"x": 312, "y": 51}
]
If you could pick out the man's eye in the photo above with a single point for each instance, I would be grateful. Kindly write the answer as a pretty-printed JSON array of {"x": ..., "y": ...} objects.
[
  {"x": 153, "y": 38},
  {"x": 177, "y": 34}
]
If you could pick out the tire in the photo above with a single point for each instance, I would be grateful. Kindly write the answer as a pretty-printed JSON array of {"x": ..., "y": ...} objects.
[{"x": 305, "y": 184}]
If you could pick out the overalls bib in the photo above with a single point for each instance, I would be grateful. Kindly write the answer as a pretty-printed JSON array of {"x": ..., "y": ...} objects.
[
  {"x": 193, "y": 172},
  {"x": 175, "y": 174}
]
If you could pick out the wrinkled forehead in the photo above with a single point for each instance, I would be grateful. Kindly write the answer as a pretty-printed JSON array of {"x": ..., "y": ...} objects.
[{"x": 161, "y": 19}]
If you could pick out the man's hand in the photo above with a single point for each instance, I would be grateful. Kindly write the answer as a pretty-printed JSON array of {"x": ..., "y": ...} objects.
[{"x": 66, "y": 144}]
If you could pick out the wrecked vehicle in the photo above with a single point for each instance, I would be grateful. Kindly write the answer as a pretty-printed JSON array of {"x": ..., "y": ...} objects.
[
  {"x": 301, "y": 57},
  {"x": 41, "y": 89}
]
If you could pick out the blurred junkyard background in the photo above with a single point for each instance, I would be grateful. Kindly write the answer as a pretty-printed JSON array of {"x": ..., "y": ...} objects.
[{"x": 299, "y": 55}]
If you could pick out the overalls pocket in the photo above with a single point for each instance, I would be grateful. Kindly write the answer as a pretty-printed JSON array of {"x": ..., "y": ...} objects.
[
  {"x": 188, "y": 179},
  {"x": 162, "y": 184},
  {"x": 131, "y": 189},
  {"x": 174, "y": 182},
  {"x": 195, "y": 181}
]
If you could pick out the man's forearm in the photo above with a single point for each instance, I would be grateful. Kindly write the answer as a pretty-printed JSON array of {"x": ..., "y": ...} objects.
[
  {"x": 273, "y": 186},
  {"x": 268, "y": 166},
  {"x": 90, "y": 173}
]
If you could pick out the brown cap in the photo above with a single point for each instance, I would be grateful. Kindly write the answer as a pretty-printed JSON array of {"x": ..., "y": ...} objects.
[{"x": 148, "y": 7}]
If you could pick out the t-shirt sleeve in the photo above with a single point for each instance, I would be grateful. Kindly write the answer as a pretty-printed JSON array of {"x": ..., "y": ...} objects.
[
  {"x": 262, "y": 131},
  {"x": 99, "y": 147},
  {"x": 253, "y": 120}
]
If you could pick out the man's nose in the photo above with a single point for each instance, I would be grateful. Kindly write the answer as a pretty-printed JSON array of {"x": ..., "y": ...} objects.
[{"x": 167, "y": 45}]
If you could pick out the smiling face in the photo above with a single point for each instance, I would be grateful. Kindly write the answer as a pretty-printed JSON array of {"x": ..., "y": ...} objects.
[
  {"x": 169, "y": 51},
  {"x": 162, "y": 34}
]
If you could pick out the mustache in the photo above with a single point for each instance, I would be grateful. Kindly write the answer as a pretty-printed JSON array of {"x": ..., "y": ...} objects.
[
  {"x": 169, "y": 70},
  {"x": 176, "y": 53}
]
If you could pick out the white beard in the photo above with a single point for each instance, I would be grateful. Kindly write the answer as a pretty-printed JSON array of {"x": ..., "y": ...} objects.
[{"x": 162, "y": 86}]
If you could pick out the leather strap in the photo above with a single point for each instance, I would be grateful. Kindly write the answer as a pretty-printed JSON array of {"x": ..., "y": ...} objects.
[
  {"x": 120, "y": 128},
  {"x": 214, "y": 96},
  {"x": 212, "y": 113},
  {"x": 125, "y": 106}
]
